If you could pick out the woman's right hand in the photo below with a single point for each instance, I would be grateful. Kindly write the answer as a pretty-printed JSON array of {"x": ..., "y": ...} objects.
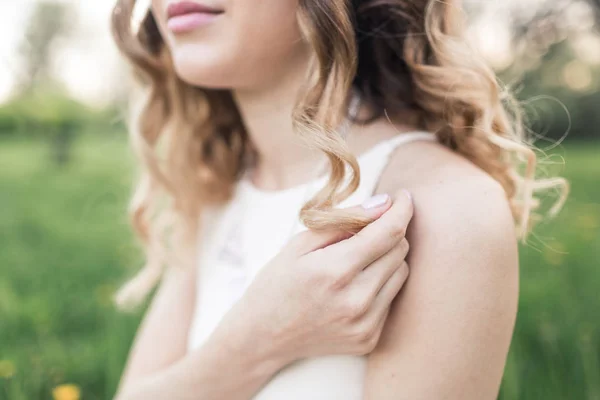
[{"x": 328, "y": 293}]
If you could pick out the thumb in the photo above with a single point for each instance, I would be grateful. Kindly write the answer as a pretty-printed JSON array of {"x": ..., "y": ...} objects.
[
  {"x": 374, "y": 207},
  {"x": 311, "y": 240}
]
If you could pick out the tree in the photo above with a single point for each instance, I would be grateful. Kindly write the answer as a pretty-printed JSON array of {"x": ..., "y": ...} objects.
[
  {"x": 47, "y": 24},
  {"x": 36, "y": 85},
  {"x": 596, "y": 6}
]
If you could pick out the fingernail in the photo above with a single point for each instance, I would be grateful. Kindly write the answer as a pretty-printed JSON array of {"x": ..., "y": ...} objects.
[
  {"x": 407, "y": 193},
  {"x": 375, "y": 201}
]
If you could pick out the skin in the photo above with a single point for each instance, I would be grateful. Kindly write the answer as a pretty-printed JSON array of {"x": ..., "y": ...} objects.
[
  {"x": 449, "y": 330},
  {"x": 225, "y": 54},
  {"x": 446, "y": 334}
]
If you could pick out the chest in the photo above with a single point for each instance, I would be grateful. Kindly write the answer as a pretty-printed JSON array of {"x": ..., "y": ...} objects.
[
  {"x": 235, "y": 245},
  {"x": 236, "y": 242}
]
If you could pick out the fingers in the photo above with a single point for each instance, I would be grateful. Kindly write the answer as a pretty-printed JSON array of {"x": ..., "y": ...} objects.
[
  {"x": 309, "y": 241},
  {"x": 370, "y": 281},
  {"x": 379, "y": 237},
  {"x": 390, "y": 290},
  {"x": 374, "y": 320}
]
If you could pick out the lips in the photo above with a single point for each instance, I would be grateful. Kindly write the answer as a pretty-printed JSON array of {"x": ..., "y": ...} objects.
[
  {"x": 186, "y": 16},
  {"x": 180, "y": 8}
]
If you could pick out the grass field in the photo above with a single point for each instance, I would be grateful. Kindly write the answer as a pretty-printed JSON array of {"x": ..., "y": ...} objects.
[{"x": 65, "y": 246}]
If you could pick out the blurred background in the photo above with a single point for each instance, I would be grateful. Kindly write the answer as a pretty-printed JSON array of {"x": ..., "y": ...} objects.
[{"x": 66, "y": 174}]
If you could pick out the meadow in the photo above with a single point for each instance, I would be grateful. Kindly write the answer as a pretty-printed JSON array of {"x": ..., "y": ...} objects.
[{"x": 65, "y": 246}]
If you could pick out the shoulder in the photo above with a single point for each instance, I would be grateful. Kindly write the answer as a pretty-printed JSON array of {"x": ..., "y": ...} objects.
[
  {"x": 457, "y": 310},
  {"x": 462, "y": 222},
  {"x": 453, "y": 197}
]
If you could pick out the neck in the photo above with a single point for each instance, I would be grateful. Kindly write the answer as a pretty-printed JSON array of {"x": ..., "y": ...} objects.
[{"x": 283, "y": 160}]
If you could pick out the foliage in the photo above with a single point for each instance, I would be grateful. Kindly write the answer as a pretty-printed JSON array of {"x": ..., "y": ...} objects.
[
  {"x": 553, "y": 109},
  {"x": 46, "y": 112},
  {"x": 42, "y": 112}
]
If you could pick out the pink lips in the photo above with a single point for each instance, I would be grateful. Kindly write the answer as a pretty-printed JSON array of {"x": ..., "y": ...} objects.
[{"x": 186, "y": 16}]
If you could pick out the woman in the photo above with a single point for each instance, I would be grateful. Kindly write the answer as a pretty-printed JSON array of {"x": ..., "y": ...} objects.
[{"x": 264, "y": 126}]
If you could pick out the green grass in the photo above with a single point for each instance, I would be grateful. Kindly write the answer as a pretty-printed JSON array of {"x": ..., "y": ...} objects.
[{"x": 65, "y": 246}]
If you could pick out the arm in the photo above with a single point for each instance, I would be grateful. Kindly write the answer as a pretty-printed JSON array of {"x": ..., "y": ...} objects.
[
  {"x": 158, "y": 367},
  {"x": 449, "y": 330},
  {"x": 276, "y": 323}
]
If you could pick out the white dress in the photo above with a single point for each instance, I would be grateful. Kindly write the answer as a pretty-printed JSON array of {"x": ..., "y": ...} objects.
[{"x": 263, "y": 231}]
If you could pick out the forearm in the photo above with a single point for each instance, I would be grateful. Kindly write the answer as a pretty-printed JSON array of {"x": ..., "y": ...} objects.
[{"x": 231, "y": 367}]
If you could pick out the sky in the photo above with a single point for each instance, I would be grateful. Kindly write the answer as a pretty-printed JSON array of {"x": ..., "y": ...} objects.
[
  {"x": 88, "y": 64},
  {"x": 91, "y": 69}
]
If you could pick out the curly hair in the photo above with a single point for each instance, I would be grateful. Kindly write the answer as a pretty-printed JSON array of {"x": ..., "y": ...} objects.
[{"x": 399, "y": 55}]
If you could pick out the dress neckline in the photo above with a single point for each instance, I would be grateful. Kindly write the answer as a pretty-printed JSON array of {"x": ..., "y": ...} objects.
[{"x": 246, "y": 185}]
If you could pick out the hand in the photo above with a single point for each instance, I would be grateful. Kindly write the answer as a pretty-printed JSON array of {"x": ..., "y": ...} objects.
[{"x": 327, "y": 293}]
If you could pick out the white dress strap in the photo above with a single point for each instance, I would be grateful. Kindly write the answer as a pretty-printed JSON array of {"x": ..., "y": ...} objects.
[{"x": 373, "y": 162}]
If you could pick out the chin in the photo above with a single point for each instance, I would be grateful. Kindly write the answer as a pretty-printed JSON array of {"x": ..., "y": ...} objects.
[{"x": 203, "y": 67}]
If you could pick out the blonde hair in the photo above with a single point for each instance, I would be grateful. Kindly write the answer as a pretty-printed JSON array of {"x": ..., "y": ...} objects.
[{"x": 398, "y": 54}]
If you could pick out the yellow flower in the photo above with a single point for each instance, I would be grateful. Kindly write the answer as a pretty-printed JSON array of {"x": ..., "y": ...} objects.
[
  {"x": 66, "y": 392},
  {"x": 7, "y": 369}
]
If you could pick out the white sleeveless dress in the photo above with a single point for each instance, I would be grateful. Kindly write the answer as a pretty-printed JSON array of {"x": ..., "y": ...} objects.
[{"x": 263, "y": 221}]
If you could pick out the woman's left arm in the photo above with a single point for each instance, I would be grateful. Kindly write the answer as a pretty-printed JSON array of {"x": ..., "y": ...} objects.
[{"x": 449, "y": 330}]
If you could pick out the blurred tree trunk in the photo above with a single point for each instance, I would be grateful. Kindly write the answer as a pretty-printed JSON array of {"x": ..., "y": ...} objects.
[
  {"x": 62, "y": 142},
  {"x": 596, "y": 6},
  {"x": 47, "y": 25}
]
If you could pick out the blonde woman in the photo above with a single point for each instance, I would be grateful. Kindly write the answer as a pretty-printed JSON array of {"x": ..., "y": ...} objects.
[{"x": 291, "y": 151}]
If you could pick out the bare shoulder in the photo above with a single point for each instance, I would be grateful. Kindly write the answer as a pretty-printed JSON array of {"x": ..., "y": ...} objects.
[
  {"x": 451, "y": 194},
  {"x": 461, "y": 215},
  {"x": 449, "y": 330}
]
